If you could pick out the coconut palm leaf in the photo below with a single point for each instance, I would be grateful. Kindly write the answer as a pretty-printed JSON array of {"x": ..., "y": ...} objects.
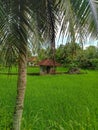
[
  {"x": 79, "y": 15},
  {"x": 86, "y": 12}
]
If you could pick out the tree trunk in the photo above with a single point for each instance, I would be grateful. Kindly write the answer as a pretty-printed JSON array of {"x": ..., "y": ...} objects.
[{"x": 21, "y": 86}]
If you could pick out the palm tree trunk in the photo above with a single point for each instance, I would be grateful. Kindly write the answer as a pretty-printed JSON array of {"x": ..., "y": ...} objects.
[
  {"x": 53, "y": 54},
  {"x": 51, "y": 24},
  {"x": 21, "y": 86}
]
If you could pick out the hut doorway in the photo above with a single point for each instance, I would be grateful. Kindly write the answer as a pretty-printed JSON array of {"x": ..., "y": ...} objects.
[{"x": 48, "y": 69}]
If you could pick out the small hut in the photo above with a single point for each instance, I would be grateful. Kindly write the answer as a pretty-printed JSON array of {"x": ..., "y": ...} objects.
[{"x": 47, "y": 66}]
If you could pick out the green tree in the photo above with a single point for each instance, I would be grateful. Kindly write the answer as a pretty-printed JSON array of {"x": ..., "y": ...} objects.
[
  {"x": 65, "y": 55},
  {"x": 91, "y": 52}
]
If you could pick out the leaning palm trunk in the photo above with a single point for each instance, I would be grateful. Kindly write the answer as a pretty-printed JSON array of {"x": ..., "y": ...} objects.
[
  {"x": 51, "y": 33},
  {"x": 21, "y": 86}
]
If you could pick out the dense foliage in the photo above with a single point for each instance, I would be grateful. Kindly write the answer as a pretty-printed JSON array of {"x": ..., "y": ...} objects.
[
  {"x": 86, "y": 59},
  {"x": 70, "y": 56}
]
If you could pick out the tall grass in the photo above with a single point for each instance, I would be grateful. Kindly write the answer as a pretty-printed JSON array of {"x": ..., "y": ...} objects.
[
  {"x": 32, "y": 69},
  {"x": 57, "y": 102},
  {"x": 7, "y": 100}
]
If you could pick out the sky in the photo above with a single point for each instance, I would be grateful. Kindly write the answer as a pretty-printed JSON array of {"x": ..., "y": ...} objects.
[
  {"x": 88, "y": 42},
  {"x": 62, "y": 40}
]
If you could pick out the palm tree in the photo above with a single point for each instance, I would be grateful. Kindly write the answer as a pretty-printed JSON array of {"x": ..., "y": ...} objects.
[
  {"x": 15, "y": 40},
  {"x": 14, "y": 27},
  {"x": 51, "y": 24},
  {"x": 21, "y": 18}
]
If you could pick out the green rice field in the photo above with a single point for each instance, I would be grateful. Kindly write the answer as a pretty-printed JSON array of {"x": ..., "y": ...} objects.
[{"x": 53, "y": 102}]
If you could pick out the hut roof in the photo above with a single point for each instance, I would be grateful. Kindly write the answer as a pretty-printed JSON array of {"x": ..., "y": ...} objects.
[
  {"x": 32, "y": 59},
  {"x": 48, "y": 62}
]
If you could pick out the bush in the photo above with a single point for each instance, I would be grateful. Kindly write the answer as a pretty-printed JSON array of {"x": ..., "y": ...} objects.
[
  {"x": 94, "y": 63},
  {"x": 73, "y": 68},
  {"x": 85, "y": 64},
  {"x": 88, "y": 63}
]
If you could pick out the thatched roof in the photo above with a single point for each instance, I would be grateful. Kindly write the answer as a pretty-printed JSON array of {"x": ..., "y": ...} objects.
[{"x": 48, "y": 62}]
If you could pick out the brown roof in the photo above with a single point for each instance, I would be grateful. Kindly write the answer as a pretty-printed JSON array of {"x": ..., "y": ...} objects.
[
  {"x": 32, "y": 59},
  {"x": 48, "y": 62}
]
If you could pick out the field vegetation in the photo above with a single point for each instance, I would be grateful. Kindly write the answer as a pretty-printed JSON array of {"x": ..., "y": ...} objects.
[{"x": 53, "y": 102}]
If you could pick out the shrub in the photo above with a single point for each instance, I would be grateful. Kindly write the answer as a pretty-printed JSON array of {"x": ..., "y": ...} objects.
[{"x": 94, "y": 63}]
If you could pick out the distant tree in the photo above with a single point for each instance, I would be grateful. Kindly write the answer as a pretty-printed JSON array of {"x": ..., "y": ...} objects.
[
  {"x": 65, "y": 55},
  {"x": 44, "y": 53},
  {"x": 61, "y": 54},
  {"x": 91, "y": 52},
  {"x": 88, "y": 58}
]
